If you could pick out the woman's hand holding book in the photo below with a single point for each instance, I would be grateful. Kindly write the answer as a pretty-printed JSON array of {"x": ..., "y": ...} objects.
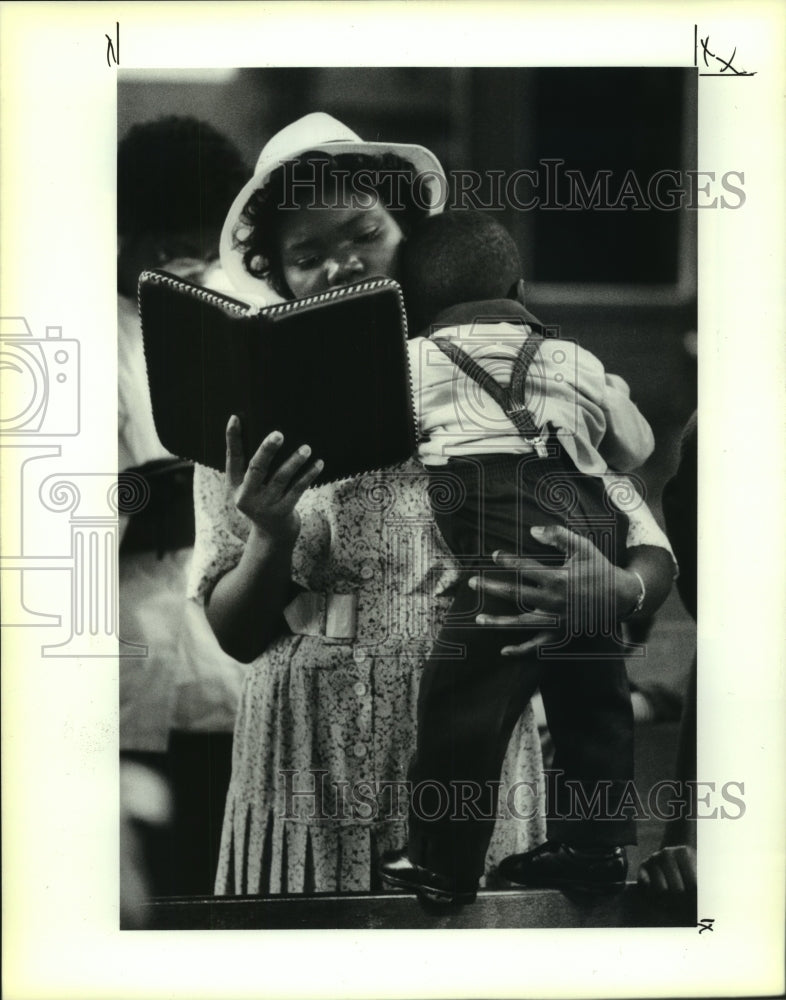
[{"x": 268, "y": 499}]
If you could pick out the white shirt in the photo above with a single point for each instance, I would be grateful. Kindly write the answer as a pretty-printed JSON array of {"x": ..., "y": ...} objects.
[
  {"x": 595, "y": 419},
  {"x": 599, "y": 426}
]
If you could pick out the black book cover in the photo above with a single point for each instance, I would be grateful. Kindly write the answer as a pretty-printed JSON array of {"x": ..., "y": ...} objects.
[{"x": 330, "y": 371}]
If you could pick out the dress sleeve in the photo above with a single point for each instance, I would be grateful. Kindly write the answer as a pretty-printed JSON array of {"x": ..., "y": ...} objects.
[
  {"x": 643, "y": 529},
  {"x": 221, "y": 533}
]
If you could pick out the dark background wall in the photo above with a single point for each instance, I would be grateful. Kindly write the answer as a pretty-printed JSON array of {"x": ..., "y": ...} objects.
[{"x": 620, "y": 282}]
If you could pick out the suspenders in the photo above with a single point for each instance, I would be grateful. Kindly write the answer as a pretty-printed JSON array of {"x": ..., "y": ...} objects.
[{"x": 511, "y": 400}]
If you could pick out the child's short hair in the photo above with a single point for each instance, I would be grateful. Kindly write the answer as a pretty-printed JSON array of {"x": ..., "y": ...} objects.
[{"x": 454, "y": 257}]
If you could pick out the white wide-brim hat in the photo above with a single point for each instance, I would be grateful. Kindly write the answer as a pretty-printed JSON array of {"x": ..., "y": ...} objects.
[{"x": 321, "y": 133}]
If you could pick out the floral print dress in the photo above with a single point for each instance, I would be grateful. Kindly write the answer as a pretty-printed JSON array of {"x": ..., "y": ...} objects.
[{"x": 326, "y": 723}]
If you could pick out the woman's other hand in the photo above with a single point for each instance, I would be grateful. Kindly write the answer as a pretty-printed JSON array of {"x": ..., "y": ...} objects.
[
  {"x": 671, "y": 870},
  {"x": 268, "y": 499},
  {"x": 586, "y": 572}
]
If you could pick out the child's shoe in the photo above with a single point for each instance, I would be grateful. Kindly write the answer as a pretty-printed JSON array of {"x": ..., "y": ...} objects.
[
  {"x": 592, "y": 870},
  {"x": 398, "y": 871}
]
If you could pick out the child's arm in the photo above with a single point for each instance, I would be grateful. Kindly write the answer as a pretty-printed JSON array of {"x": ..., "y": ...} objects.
[
  {"x": 616, "y": 428},
  {"x": 628, "y": 441}
]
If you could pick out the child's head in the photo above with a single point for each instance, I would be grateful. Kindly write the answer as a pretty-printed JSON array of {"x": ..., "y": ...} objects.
[
  {"x": 176, "y": 178},
  {"x": 455, "y": 257}
]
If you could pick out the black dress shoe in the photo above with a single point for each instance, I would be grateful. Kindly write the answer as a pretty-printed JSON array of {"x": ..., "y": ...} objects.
[
  {"x": 559, "y": 866},
  {"x": 398, "y": 871}
]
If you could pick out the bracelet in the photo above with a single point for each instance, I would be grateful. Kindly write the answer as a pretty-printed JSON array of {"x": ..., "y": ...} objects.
[{"x": 639, "y": 600}]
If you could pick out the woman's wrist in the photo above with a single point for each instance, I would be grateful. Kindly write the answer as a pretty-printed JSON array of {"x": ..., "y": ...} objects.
[
  {"x": 647, "y": 580},
  {"x": 634, "y": 596},
  {"x": 630, "y": 592},
  {"x": 266, "y": 541}
]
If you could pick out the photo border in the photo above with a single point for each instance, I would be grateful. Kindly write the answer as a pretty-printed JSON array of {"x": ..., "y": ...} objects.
[{"x": 60, "y": 716}]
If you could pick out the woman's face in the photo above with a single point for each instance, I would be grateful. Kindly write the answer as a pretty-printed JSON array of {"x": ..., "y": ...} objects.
[{"x": 326, "y": 247}]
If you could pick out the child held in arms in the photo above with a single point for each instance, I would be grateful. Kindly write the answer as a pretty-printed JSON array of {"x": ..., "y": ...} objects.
[{"x": 518, "y": 431}]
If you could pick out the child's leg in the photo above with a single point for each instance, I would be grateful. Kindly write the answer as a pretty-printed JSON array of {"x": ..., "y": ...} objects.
[
  {"x": 586, "y": 695},
  {"x": 468, "y": 706},
  {"x": 590, "y": 718},
  {"x": 470, "y": 696},
  {"x": 587, "y": 700}
]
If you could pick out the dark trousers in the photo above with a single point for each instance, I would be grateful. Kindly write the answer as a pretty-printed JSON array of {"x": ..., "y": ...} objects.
[{"x": 471, "y": 697}]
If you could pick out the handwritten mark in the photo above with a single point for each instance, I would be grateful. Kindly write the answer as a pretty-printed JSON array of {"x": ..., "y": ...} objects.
[
  {"x": 706, "y": 924},
  {"x": 113, "y": 47},
  {"x": 705, "y": 44},
  {"x": 726, "y": 67}
]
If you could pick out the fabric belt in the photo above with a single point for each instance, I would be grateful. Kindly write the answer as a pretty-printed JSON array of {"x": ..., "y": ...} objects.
[{"x": 332, "y": 616}]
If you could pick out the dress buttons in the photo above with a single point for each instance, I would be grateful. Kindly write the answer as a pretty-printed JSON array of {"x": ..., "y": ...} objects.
[
  {"x": 359, "y": 750},
  {"x": 359, "y": 654},
  {"x": 360, "y": 689},
  {"x": 367, "y": 570}
]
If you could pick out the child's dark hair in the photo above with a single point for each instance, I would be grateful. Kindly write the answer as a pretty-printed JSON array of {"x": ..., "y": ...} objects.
[
  {"x": 458, "y": 256},
  {"x": 342, "y": 178},
  {"x": 173, "y": 174}
]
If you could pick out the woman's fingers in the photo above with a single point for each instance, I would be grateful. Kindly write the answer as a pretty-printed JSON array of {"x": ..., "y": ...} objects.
[
  {"x": 541, "y": 618},
  {"x": 524, "y": 565},
  {"x": 268, "y": 498},
  {"x": 259, "y": 465},
  {"x": 286, "y": 477},
  {"x": 555, "y": 535},
  {"x": 520, "y": 594},
  {"x": 283, "y": 479},
  {"x": 526, "y": 647},
  {"x": 299, "y": 486},
  {"x": 560, "y": 537},
  {"x": 235, "y": 464}
]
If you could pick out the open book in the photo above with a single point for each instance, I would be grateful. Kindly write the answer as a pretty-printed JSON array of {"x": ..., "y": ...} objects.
[{"x": 330, "y": 371}]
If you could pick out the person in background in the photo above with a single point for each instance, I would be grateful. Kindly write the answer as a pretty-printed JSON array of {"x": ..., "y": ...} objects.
[
  {"x": 176, "y": 178},
  {"x": 145, "y": 809},
  {"x": 671, "y": 871}
]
